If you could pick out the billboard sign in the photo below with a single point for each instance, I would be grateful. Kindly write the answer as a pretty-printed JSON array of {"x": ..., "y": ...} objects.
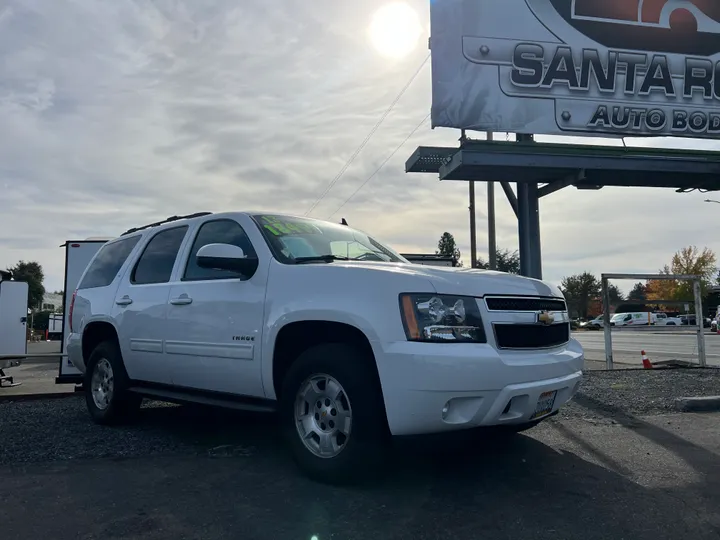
[{"x": 577, "y": 67}]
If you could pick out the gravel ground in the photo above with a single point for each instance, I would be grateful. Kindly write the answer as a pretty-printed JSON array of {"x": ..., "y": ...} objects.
[
  {"x": 639, "y": 392},
  {"x": 60, "y": 429}
]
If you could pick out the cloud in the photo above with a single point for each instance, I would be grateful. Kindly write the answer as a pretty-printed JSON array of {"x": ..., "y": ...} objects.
[{"x": 116, "y": 114}]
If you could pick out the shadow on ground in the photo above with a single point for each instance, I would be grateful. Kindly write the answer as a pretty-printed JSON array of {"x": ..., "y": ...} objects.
[{"x": 241, "y": 484}]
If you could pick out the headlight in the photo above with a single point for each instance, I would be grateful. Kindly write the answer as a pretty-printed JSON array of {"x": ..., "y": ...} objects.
[{"x": 441, "y": 318}]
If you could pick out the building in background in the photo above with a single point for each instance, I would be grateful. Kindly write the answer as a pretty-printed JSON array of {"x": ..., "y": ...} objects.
[{"x": 52, "y": 302}]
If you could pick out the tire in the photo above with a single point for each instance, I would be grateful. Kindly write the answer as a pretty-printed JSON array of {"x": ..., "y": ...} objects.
[
  {"x": 311, "y": 384},
  {"x": 109, "y": 401}
]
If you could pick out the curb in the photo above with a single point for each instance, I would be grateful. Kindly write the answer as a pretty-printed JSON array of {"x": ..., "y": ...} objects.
[
  {"x": 36, "y": 397},
  {"x": 698, "y": 404}
]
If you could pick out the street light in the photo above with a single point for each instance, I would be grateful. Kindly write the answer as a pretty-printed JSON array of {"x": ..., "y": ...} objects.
[{"x": 711, "y": 200}]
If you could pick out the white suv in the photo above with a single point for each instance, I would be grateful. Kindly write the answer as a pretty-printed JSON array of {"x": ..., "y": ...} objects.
[{"x": 348, "y": 341}]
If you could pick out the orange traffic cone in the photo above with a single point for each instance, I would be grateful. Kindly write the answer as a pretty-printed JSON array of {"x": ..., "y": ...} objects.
[{"x": 646, "y": 361}]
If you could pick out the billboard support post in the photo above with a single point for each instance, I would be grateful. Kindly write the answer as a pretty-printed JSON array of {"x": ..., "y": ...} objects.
[
  {"x": 473, "y": 229},
  {"x": 528, "y": 201},
  {"x": 492, "y": 237}
]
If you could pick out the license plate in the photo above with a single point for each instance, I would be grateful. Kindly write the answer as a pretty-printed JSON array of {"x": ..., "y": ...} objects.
[{"x": 544, "y": 404}]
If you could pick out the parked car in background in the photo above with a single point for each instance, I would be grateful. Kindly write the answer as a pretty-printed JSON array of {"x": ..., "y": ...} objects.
[
  {"x": 691, "y": 320},
  {"x": 662, "y": 319},
  {"x": 594, "y": 324}
]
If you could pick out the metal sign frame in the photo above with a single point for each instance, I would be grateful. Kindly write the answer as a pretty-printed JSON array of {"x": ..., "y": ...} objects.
[{"x": 607, "y": 329}]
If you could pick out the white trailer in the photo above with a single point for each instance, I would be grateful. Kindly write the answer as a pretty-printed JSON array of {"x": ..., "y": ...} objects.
[
  {"x": 55, "y": 326},
  {"x": 13, "y": 326},
  {"x": 78, "y": 254}
]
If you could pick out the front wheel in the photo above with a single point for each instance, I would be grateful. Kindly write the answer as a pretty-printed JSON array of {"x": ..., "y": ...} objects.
[
  {"x": 333, "y": 414},
  {"x": 106, "y": 387}
]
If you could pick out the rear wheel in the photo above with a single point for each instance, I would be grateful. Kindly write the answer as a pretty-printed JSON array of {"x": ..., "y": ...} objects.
[
  {"x": 106, "y": 387},
  {"x": 333, "y": 415}
]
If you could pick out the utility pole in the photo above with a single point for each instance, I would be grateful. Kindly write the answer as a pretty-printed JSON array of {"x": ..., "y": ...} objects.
[
  {"x": 471, "y": 207},
  {"x": 492, "y": 244}
]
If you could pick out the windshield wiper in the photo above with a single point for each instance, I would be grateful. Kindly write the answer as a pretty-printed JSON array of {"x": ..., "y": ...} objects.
[{"x": 320, "y": 258}]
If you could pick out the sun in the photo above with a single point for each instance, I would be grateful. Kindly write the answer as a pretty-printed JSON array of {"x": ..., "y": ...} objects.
[{"x": 395, "y": 30}]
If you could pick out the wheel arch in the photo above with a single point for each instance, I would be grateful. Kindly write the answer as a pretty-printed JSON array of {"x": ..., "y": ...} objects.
[
  {"x": 295, "y": 337},
  {"x": 96, "y": 332}
]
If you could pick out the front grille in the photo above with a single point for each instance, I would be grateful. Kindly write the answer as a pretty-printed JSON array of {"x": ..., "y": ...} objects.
[
  {"x": 531, "y": 336},
  {"x": 525, "y": 304}
]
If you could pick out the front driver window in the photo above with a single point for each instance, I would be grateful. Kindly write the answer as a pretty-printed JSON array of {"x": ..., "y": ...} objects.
[{"x": 221, "y": 231}]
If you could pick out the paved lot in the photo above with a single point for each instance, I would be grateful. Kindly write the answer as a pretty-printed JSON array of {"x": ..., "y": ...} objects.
[
  {"x": 37, "y": 374},
  {"x": 659, "y": 346},
  {"x": 596, "y": 471}
]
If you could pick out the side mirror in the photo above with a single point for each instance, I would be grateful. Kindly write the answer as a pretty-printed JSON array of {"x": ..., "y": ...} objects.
[{"x": 226, "y": 257}]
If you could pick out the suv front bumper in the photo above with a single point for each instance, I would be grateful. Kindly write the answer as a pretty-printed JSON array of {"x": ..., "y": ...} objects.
[{"x": 431, "y": 388}]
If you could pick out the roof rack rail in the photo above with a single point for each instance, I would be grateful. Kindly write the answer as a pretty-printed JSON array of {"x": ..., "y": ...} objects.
[{"x": 168, "y": 220}]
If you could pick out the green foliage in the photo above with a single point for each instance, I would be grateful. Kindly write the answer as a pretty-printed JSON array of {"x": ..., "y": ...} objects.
[
  {"x": 580, "y": 290},
  {"x": 638, "y": 293},
  {"x": 447, "y": 247},
  {"x": 32, "y": 273},
  {"x": 616, "y": 296},
  {"x": 507, "y": 261}
]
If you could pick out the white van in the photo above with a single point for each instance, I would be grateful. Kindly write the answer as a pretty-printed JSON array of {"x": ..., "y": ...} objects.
[
  {"x": 643, "y": 318},
  {"x": 637, "y": 318}
]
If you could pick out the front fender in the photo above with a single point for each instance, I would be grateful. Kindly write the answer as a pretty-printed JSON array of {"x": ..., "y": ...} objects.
[{"x": 291, "y": 315}]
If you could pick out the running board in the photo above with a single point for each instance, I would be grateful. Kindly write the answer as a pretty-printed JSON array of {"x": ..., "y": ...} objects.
[{"x": 230, "y": 402}]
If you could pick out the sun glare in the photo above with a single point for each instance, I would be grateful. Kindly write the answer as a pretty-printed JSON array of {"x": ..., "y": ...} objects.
[{"x": 395, "y": 29}]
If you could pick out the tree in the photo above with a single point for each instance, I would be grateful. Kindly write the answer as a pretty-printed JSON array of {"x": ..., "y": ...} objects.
[
  {"x": 580, "y": 290},
  {"x": 688, "y": 261},
  {"x": 32, "y": 273},
  {"x": 447, "y": 247},
  {"x": 638, "y": 293},
  {"x": 507, "y": 261},
  {"x": 616, "y": 296}
]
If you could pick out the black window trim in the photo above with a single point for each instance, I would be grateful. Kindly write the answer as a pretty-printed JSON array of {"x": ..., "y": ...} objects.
[
  {"x": 184, "y": 279},
  {"x": 147, "y": 243}
]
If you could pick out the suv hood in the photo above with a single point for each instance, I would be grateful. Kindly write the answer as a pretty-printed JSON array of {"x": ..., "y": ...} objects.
[
  {"x": 461, "y": 281},
  {"x": 474, "y": 282}
]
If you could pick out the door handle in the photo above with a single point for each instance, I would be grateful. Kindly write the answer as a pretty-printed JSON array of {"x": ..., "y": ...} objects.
[
  {"x": 124, "y": 301},
  {"x": 181, "y": 300}
]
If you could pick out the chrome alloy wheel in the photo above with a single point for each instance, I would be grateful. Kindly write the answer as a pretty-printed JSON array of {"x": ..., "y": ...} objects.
[
  {"x": 102, "y": 384},
  {"x": 323, "y": 415}
]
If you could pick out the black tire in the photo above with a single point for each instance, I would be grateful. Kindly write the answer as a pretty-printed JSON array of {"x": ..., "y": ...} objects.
[
  {"x": 123, "y": 405},
  {"x": 361, "y": 457}
]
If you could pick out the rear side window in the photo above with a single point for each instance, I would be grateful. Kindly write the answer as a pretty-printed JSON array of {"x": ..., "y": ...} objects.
[
  {"x": 222, "y": 231},
  {"x": 107, "y": 263},
  {"x": 158, "y": 258}
]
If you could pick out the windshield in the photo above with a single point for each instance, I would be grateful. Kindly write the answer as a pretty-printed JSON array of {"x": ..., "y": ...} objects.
[
  {"x": 296, "y": 239},
  {"x": 618, "y": 316}
]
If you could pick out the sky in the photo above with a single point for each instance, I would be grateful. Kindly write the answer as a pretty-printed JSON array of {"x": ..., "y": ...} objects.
[{"x": 116, "y": 114}]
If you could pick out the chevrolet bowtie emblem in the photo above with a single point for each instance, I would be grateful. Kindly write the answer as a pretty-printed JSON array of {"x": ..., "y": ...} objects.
[{"x": 545, "y": 317}]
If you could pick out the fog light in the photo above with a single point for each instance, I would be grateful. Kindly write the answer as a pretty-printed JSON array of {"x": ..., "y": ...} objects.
[{"x": 445, "y": 410}]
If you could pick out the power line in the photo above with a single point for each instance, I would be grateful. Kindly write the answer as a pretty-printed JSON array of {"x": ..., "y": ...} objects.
[
  {"x": 381, "y": 166},
  {"x": 367, "y": 138}
]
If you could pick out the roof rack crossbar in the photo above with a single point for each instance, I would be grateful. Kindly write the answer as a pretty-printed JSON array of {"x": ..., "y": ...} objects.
[{"x": 168, "y": 220}]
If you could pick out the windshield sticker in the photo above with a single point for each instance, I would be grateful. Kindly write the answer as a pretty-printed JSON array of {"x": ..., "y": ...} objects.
[{"x": 283, "y": 227}]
